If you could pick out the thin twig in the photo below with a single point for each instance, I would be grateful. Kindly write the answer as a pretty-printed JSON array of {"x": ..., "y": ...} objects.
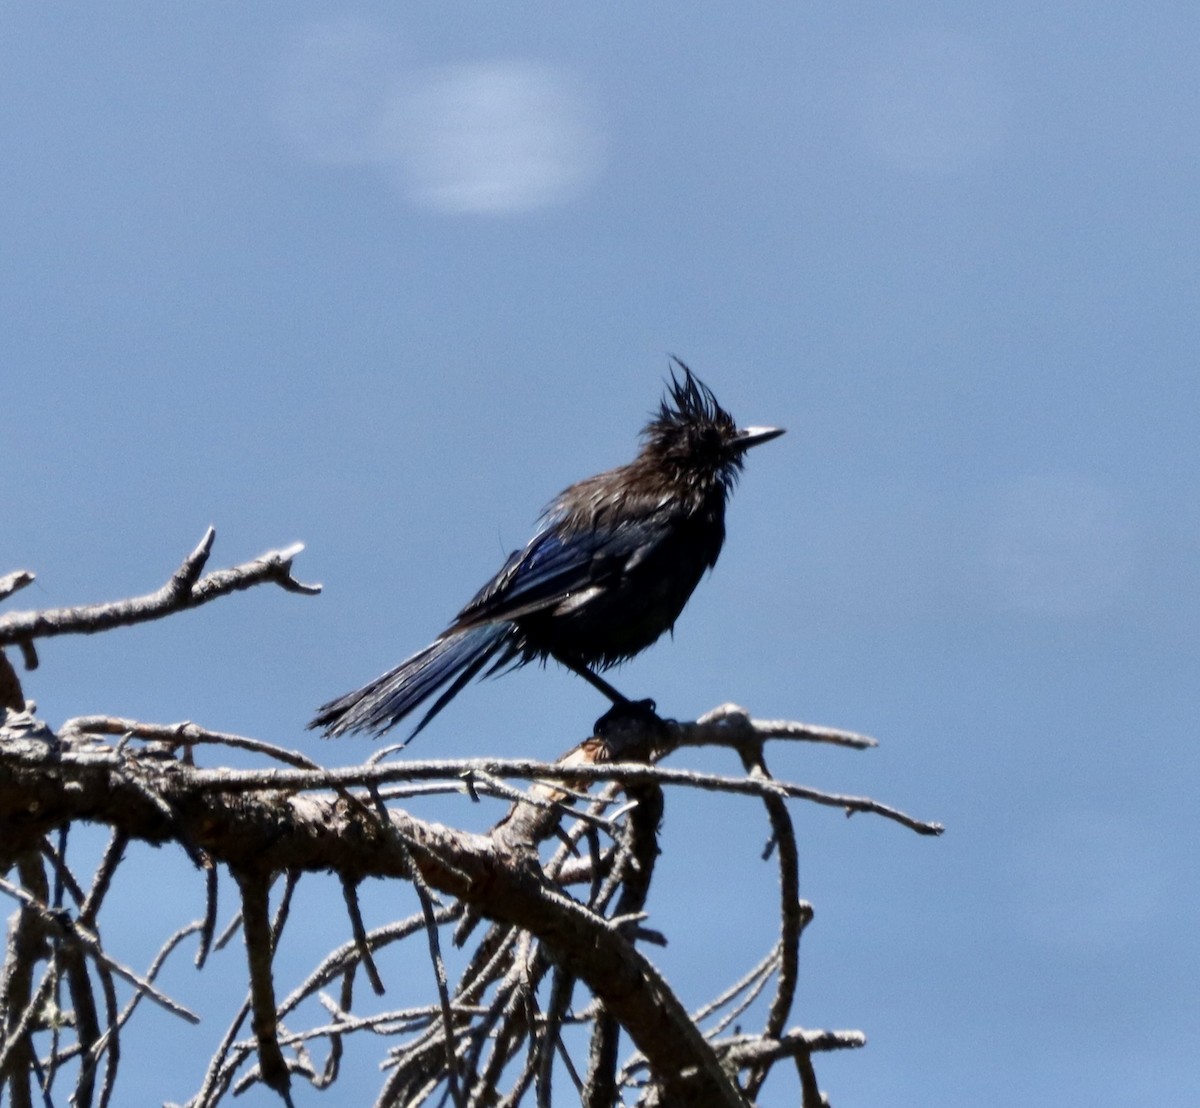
[
  {"x": 626, "y": 773},
  {"x": 208, "y": 924},
  {"x": 729, "y": 724},
  {"x": 784, "y": 837},
  {"x": 256, "y": 925},
  {"x": 119, "y": 1020},
  {"x": 744, "y": 1050},
  {"x": 14, "y": 581},
  {"x": 435, "y": 952},
  {"x": 75, "y": 932},
  {"x": 185, "y": 589},
  {"x": 350, "y": 895},
  {"x": 105, "y": 871},
  {"x": 184, "y": 733},
  {"x": 337, "y": 962},
  {"x": 763, "y": 969}
]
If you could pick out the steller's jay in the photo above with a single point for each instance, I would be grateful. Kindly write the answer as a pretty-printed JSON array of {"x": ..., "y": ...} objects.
[{"x": 610, "y": 568}]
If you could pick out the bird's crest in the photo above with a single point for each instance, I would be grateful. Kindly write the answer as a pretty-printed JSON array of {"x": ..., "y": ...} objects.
[
  {"x": 691, "y": 435},
  {"x": 690, "y": 400}
]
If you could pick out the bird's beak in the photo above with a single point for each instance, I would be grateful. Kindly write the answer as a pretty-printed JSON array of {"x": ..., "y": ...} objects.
[{"x": 747, "y": 437}]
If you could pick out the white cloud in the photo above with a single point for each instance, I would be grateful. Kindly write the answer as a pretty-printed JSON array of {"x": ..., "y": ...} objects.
[{"x": 495, "y": 137}]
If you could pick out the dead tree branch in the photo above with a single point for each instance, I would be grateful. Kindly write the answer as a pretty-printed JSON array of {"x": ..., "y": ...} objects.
[
  {"x": 546, "y": 962},
  {"x": 186, "y": 589}
]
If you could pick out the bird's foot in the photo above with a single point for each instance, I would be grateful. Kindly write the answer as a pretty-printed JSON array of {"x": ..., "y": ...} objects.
[{"x": 629, "y": 726}]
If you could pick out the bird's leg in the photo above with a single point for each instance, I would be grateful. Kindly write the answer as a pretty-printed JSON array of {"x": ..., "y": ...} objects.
[
  {"x": 595, "y": 680},
  {"x": 622, "y": 706},
  {"x": 623, "y": 709}
]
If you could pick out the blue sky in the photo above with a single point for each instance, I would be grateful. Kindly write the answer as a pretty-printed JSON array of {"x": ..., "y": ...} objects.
[{"x": 384, "y": 279}]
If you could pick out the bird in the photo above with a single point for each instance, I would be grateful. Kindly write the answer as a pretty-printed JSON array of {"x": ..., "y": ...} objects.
[{"x": 612, "y": 563}]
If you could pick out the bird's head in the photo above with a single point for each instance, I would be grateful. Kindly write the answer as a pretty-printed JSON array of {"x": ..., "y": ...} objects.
[{"x": 693, "y": 433}]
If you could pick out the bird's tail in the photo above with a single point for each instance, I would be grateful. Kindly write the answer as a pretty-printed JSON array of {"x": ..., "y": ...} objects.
[{"x": 456, "y": 657}]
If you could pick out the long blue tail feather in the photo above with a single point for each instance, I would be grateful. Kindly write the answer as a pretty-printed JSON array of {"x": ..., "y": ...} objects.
[{"x": 456, "y": 657}]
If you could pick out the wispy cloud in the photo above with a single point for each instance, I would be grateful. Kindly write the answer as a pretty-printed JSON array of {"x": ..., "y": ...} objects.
[
  {"x": 504, "y": 136},
  {"x": 497, "y": 137}
]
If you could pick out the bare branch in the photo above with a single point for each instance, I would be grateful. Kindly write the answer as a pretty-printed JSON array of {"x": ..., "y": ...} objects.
[
  {"x": 108, "y": 1041},
  {"x": 184, "y": 733},
  {"x": 12, "y": 582},
  {"x": 17, "y": 1039},
  {"x": 186, "y": 589},
  {"x": 492, "y": 1039},
  {"x": 745, "y": 1050},
  {"x": 208, "y": 924},
  {"x": 11, "y": 694},
  {"x": 260, "y": 949},
  {"x": 783, "y": 837},
  {"x": 87, "y": 1020},
  {"x": 74, "y": 932},
  {"x": 90, "y": 908},
  {"x": 350, "y": 894},
  {"x": 626, "y": 773},
  {"x": 753, "y": 980},
  {"x": 730, "y": 725}
]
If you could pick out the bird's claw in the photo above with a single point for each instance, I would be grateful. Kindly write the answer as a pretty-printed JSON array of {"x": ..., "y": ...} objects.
[{"x": 627, "y": 715}]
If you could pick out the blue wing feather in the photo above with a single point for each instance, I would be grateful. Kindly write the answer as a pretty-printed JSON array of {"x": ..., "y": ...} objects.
[{"x": 555, "y": 565}]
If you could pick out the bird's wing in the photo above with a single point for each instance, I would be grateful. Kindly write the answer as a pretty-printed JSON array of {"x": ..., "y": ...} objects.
[{"x": 559, "y": 563}]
